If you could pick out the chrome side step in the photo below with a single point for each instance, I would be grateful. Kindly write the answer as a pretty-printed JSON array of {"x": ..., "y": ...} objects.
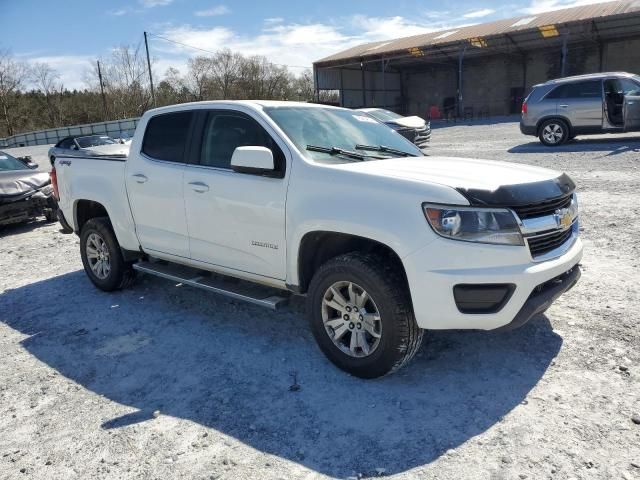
[{"x": 231, "y": 287}]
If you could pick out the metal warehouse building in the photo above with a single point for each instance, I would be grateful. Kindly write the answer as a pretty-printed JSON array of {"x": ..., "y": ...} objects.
[{"x": 484, "y": 69}]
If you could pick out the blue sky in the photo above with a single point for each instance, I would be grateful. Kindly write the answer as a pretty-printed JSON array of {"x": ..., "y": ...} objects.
[{"x": 70, "y": 34}]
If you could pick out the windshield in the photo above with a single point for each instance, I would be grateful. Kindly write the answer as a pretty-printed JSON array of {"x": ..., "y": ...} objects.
[
  {"x": 336, "y": 127},
  {"x": 7, "y": 162},
  {"x": 94, "y": 141},
  {"x": 383, "y": 115}
]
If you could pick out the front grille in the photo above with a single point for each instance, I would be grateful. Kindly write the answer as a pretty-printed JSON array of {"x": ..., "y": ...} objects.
[
  {"x": 541, "y": 244},
  {"x": 544, "y": 208},
  {"x": 423, "y": 135}
]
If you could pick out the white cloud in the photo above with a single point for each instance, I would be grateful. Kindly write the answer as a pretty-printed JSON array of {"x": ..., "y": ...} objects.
[
  {"x": 293, "y": 44},
  {"x": 384, "y": 28},
  {"x": 213, "y": 11},
  {"x": 541, "y": 6},
  {"x": 155, "y": 3},
  {"x": 72, "y": 69},
  {"x": 484, "y": 12},
  {"x": 119, "y": 12}
]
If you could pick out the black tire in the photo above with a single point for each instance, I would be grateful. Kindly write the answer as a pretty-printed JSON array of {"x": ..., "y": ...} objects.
[
  {"x": 400, "y": 335},
  {"x": 554, "y": 132},
  {"x": 121, "y": 273}
]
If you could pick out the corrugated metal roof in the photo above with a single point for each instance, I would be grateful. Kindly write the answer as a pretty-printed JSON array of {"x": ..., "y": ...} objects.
[{"x": 474, "y": 32}]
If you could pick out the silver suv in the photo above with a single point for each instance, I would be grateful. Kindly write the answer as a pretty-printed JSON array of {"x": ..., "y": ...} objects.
[{"x": 559, "y": 110}]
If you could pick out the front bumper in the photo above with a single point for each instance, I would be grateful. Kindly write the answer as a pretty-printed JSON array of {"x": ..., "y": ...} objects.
[
  {"x": 437, "y": 268},
  {"x": 34, "y": 205}
]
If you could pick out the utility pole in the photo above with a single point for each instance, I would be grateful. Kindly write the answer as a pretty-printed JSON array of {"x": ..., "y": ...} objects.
[
  {"x": 153, "y": 93},
  {"x": 104, "y": 99}
]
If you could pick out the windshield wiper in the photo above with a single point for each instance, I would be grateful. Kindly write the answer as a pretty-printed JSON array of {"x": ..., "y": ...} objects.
[
  {"x": 385, "y": 149},
  {"x": 338, "y": 151}
]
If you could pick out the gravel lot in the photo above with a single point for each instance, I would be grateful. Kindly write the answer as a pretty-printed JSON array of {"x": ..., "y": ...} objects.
[{"x": 162, "y": 381}]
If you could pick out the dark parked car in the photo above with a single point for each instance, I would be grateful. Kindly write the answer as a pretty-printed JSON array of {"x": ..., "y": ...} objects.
[
  {"x": 24, "y": 193},
  {"x": 414, "y": 128}
]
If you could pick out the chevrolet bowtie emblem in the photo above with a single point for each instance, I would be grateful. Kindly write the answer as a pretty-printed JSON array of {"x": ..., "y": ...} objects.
[{"x": 563, "y": 218}]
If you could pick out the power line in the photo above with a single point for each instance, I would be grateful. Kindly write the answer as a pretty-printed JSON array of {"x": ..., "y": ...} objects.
[{"x": 213, "y": 53}]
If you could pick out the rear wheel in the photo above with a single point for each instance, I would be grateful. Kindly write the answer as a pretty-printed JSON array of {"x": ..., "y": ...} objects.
[
  {"x": 554, "y": 132},
  {"x": 102, "y": 258},
  {"x": 361, "y": 315}
]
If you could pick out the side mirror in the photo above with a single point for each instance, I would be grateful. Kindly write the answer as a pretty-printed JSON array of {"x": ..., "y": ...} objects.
[{"x": 253, "y": 160}]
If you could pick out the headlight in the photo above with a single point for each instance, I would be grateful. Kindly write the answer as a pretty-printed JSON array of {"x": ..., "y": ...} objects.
[{"x": 470, "y": 224}]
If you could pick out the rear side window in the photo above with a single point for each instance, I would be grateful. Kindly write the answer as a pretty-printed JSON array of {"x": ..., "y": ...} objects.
[
  {"x": 166, "y": 136},
  {"x": 590, "y": 89},
  {"x": 226, "y": 131}
]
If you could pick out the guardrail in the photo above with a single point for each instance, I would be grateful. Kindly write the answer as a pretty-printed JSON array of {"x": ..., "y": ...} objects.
[{"x": 114, "y": 128}]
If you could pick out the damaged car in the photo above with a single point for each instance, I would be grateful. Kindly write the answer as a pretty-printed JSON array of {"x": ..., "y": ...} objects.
[{"x": 25, "y": 194}]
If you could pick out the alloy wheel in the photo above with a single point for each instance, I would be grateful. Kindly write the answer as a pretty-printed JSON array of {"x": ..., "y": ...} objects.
[
  {"x": 553, "y": 133},
  {"x": 351, "y": 319},
  {"x": 98, "y": 256}
]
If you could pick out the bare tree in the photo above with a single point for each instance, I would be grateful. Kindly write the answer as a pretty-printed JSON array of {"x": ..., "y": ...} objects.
[
  {"x": 13, "y": 74},
  {"x": 125, "y": 78},
  {"x": 225, "y": 71},
  {"x": 46, "y": 79}
]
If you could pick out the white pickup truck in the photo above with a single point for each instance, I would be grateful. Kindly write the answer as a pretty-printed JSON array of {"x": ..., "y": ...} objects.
[{"x": 259, "y": 200}]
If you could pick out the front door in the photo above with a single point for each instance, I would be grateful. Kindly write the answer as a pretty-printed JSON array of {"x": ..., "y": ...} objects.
[
  {"x": 631, "y": 111},
  {"x": 155, "y": 185},
  {"x": 236, "y": 220}
]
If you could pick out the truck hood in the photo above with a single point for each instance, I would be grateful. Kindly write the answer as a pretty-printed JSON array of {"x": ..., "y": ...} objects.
[
  {"x": 18, "y": 182},
  {"x": 116, "y": 149},
  {"x": 482, "y": 182},
  {"x": 410, "y": 122}
]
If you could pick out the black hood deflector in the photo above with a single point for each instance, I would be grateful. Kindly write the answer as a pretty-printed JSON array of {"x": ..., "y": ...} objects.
[{"x": 521, "y": 194}]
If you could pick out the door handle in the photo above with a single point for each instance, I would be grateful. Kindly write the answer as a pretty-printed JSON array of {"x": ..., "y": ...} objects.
[
  {"x": 563, "y": 106},
  {"x": 199, "y": 187},
  {"x": 630, "y": 103},
  {"x": 140, "y": 178}
]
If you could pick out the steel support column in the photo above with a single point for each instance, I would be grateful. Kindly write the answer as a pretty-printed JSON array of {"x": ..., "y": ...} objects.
[
  {"x": 317, "y": 86},
  {"x": 364, "y": 93},
  {"x": 563, "y": 68},
  {"x": 460, "y": 64}
]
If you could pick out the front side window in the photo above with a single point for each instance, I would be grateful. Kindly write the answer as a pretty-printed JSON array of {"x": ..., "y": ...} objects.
[
  {"x": 337, "y": 127},
  {"x": 166, "y": 136},
  {"x": 590, "y": 89},
  {"x": 629, "y": 87},
  {"x": 226, "y": 131}
]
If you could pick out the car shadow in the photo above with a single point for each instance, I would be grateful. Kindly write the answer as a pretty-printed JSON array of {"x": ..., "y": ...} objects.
[
  {"x": 23, "y": 227},
  {"x": 258, "y": 376},
  {"x": 614, "y": 146}
]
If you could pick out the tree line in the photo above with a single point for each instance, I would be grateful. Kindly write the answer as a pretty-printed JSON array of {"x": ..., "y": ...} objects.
[{"x": 32, "y": 96}]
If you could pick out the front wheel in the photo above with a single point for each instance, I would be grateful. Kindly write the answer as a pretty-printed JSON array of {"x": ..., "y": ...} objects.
[
  {"x": 361, "y": 315},
  {"x": 102, "y": 258},
  {"x": 554, "y": 132}
]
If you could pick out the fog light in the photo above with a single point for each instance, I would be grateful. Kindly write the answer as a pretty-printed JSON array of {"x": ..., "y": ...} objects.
[{"x": 482, "y": 298}]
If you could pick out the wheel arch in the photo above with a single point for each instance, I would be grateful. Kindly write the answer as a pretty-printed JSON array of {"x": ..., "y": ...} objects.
[
  {"x": 84, "y": 210},
  {"x": 317, "y": 247}
]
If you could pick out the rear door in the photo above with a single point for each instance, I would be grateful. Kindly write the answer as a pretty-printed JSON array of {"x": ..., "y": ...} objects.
[
  {"x": 581, "y": 103},
  {"x": 236, "y": 220},
  {"x": 155, "y": 184}
]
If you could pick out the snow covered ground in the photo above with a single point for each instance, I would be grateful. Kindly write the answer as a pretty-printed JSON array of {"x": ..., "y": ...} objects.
[{"x": 161, "y": 381}]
